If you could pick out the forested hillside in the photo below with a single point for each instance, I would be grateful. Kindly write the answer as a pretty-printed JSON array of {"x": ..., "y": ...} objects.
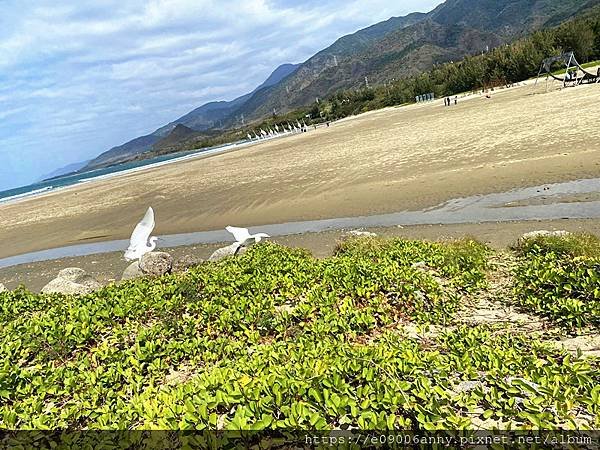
[
  {"x": 455, "y": 29},
  {"x": 501, "y": 66},
  {"x": 459, "y": 46}
]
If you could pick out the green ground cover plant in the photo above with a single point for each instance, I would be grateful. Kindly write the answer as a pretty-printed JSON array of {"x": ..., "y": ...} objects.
[
  {"x": 559, "y": 277},
  {"x": 276, "y": 339}
]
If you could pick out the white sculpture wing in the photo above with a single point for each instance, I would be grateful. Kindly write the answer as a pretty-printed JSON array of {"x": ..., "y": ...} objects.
[
  {"x": 239, "y": 234},
  {"x": 142, "y": 231}
]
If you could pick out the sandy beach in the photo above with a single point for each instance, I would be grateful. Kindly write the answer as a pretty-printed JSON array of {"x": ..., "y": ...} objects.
[{"x": 397, "y": 159}]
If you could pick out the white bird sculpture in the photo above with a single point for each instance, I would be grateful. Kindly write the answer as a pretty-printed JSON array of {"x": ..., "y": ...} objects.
[
  {"x": 243, "y": 237},
  {"x": 141, "y": 242}
]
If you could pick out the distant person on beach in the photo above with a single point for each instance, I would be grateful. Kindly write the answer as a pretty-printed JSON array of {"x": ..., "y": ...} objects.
[{"x": 456, "y": 100}]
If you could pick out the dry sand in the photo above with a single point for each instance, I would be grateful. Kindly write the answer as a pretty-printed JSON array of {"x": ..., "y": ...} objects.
[{"x": 385, "y": 161}]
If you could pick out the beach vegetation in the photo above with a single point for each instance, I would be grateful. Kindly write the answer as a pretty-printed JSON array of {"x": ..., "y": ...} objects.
[
  {"x": 559, "y": 277},
  {"x": 277, "y": 339}
]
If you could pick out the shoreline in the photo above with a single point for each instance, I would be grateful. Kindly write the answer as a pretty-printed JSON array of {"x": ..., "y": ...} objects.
[
  {"x": 226, "y": 148},
  {"x": 192, "y": 155},
  {"x": 108, "y": 267},
  {"x": 575, "y": 200}
]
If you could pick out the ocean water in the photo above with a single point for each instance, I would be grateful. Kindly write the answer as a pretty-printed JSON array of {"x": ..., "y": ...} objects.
[{"x": 70, "y": 180}]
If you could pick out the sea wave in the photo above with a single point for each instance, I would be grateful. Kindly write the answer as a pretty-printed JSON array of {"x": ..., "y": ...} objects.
[{"x": 26, "y": 194}]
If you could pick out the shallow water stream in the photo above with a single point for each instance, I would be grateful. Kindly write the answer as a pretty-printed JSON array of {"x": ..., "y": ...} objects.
[{"x": 571, "y": 200}]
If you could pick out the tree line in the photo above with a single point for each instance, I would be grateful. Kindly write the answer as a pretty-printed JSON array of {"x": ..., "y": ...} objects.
[{"x": 501, "y": 66}]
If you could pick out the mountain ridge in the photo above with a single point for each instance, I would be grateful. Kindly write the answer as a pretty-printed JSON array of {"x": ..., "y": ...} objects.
[
  {"x": 495, "y": 22},
  {"x": 197, "y": 120},
  {"x": 61, "y": 171},
  {"x": 395, "y": 48}
]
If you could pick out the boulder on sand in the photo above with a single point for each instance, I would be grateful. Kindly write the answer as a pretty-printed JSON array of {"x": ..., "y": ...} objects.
[
  {"x": 358, "y": 233},
  {"x": 540, "y": 234},
  {"x": 72, "y": 281},
  {"x": 77, "y": 275},
  {"x": 156, "y": 263},
  {"x": 153, "y": 263},
  {"x": 544, "y": 233},
  {"x": 133, "y": 271},
  {"x": 186, "y": 262},
  {"x": 224, "y": 252}
]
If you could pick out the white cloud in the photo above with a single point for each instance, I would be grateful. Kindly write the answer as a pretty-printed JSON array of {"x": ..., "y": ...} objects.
[{"x": 77, "y": 78}]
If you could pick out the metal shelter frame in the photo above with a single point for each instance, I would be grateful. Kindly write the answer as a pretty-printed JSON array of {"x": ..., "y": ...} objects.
[{"x": 570, "y": 62}]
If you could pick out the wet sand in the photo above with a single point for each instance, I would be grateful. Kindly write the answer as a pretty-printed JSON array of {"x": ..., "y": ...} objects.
[
  {"x": 108, "y": 267},
  {"x": 385, "y": 161}
]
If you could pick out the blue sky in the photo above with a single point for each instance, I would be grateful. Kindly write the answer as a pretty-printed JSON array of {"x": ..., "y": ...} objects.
[{"x": 79, "y": 77}]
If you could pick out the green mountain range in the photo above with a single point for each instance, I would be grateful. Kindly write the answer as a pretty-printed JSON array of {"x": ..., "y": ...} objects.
[{"x": 393, "y": 49}]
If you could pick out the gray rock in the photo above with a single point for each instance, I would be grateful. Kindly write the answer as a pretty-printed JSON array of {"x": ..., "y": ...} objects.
[
  {"x": 224, "y": 252},
  {"x": 3, "y": 288},
  {"x": 72, "y": 281},
  {"x": 544, "y": 233},
  {"x": 74, "y": 274},
  {"x": 186, "y": 262},
  {"x": 156, "y": 263},
  {"x": 132, "y": 272},
  {"x": 467, "y": 386},
  {"x": 62, "y": 286},
  {"x": 359, "y": 233},
  {"x": 286, "y": 308}
]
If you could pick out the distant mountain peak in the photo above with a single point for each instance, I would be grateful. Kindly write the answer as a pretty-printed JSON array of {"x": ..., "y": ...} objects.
[
  {"x": 70, "y": 168},
  {"x": 278, "y": 74},
  {"x": 210, "y": 115}
]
